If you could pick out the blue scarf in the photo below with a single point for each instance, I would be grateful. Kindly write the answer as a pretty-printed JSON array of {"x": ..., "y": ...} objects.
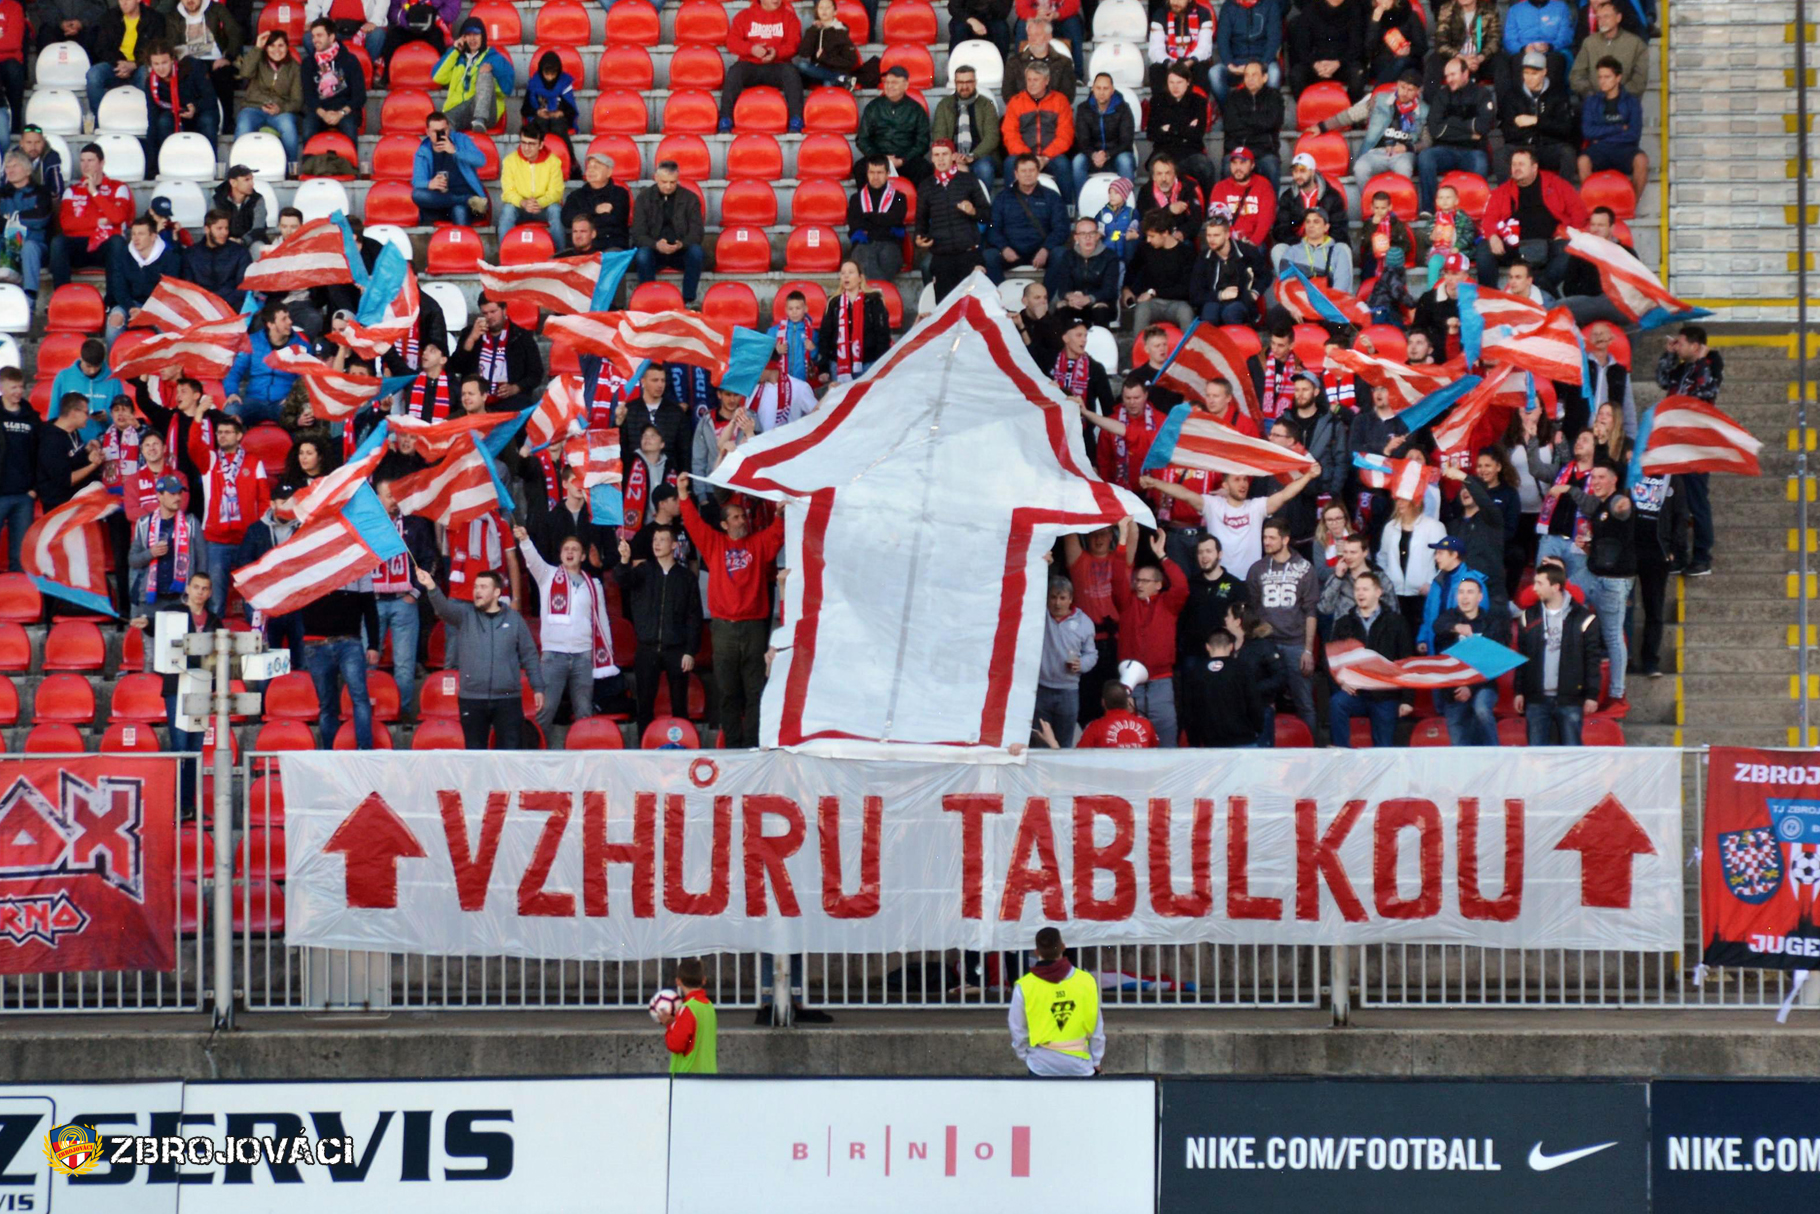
[{"x": 796, "y": 346}]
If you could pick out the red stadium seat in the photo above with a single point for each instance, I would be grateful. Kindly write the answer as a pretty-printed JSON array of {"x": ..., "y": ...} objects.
[
  {"x": 269, "y": 443},
  {"x": 489, "y": 155},
  {"x": 691, "y": 112},
  {"x": 76, "y": 307},
  {"x": 813, "y": 295},
  {"x": 755, "y": 156},
  {"x": 259, "y": 909},
  {"x": 1387, "y": 340},
  {"x": 344, "y": 737},
  {"x": 132, "y": 650},
  {"x": 20, "y": 602},
  {"x": 1360, "y": 733},
  {"x": 742, "y": 251},
  {"x": 894, "y": 302},
  {"x": 74, "y": 645},
  {"x": 565, "y": 53},
  {"x": 324, "y": 143},
  {"x": 526, "y": 243},
  {"x": 824, "y": 155},
  {"x": 292, "y": 697},
  {"x": 1610, "y": 188},
  {"x": 1292, "y": 733},
  {"x": 265, "y": 801},
  {"x": 412, "y": 66},
  {"x": 670, "y": 733},
  {"x": 628, "y": 161},
  {"x": 523, "y": 313},
  {"x": 284, "y": 735},
  {"x": 390, "y": 202},
  {"x": 123, "y": 737},
  {"x": 913, "y": 58},
  {"x": 1311, "y": 345},
  {"x": 700, "y": 23},
  {"x": 439, "y": 696},
  {"x": 690, "y": 152},
  {"x": 395, "y": 155},
  {"x": 1601, "y": 731},
  {"x": 565, "y": 22},
  {"x": 403, "y": 112},
  {"x": 1514, "y": 731},
  {"x": 56, "y": 739},
  {"x": 1473, "y": 191},
  {"x": 1620, "y": 232},
  {"x": 59, "y": 350},
  {"x": 439, "y": 733},
  {"x": 15, "y": 649},
  {"x": 1330, "y": 151},
  {"x": 634, "y": 22},
  {"x": 286, "y": 16},
  {"x": 698, "y": 699},
  {"x": 454, "y": 250},
  {"x": 858, "y": 21},
  {"x": 749, "y": 202},
  {"x": 64, "y": 697},
  {"x": 696, "y": 67},
  {"x": 137, "y": 697},
  {"x": 382, "y": 694},
  {"x": 9, "y": 703},
  {"x": 1319, "y": 102},
  {"x": 504, "y": 28},
  {"x": 761, "y": 110},
  {"x": 621, "y": 112},
  {"x": 818, "y": 201},
  {"x": 1431, "y": 732},
  {"x": 909, "y": 21},
  {"x": 812, "y": 250},
  {"x": 655, "y": 296},
  {"x": 627, "y": 67},
  {"x": 595, "y": 733},
  {"x": 195, "y": 849},
  {"x": 261, "y": 858},
  {"x": 1245, "y": 337},
  {"x": 1141, "y": 356},
  {"x": 831, "y": 109},
  {"x": 358, "y": 49},
  {"x": 1402, "y": 193},
  {"x": 731, "y": 303}
]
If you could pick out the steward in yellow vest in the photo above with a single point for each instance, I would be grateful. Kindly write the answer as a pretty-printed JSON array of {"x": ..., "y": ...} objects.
[{"x": 1055, "y": 1022}]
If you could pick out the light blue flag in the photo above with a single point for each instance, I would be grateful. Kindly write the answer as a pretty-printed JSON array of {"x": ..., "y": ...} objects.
[
  {"x": 613, "y": 266},
  {"x": 607, "y": 505},
  {"x": 496, "y": 440},
  {"x": 373, "y": 524},
  {"x": 1162, "y": 447},
  {"x": 1645, "y": 425},
  {"x": 1485, "y": 656},
  {"x": 1437, "y": 402},
  {"x": 357, "y": 265},
  {"x": 752, "y": 351},
  {"x": 383, "y": 287},
  {"x": 1472, "y": 325},
  {"x": 1655, "y": 318},
  {"x": 392, "y": 384},
  {"x": 375, "y": 437},
  {"x": 1179, "y": 347},
  {"x": 81, "y": 598}
]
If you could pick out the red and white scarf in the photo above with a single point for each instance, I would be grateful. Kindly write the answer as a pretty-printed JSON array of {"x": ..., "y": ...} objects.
[
  {"x": 782, "y": 415},
  {"x": 166, "y": 94},
  {"x": 121, "y": 449},
  {"x": 546, "y": 463},
  {"x": 493, "y": 356},
  {"x": 1279, "y": 384},
  {"x": 886, "y": 197},
  {"x": 1121, "y": 448},
  {"x": 328, "y": 80},
  {"x": 944, "y": 178},
  {"x": 1071, "y": 374},
  {"x": 474, "y": 549},
  {"x": 229, "y": 467},
  {"x": 609, "y": 388},
  {"x": 1182, "y": 32},
  {"x": 438, "y": 398},
  {"x": 412, "y": 346},
  {"x": 180, "y": 552},
  {"x": 637, "y": 492},
  {"x": 566, "y": 594},
  {"x": 394, "y": 575},
  {"x": 850, "y": 335}
]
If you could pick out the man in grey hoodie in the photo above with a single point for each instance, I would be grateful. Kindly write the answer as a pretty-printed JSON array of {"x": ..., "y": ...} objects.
[{"x": 493, "y": 647}]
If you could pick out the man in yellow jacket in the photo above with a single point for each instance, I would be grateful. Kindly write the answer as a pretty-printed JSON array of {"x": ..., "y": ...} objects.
[
  {"x": 1056, "y": 1028},
  {"x": 530, "y": 185}
]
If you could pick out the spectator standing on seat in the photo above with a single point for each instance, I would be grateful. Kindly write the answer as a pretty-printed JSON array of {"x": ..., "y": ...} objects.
[
  {"x": 827, "y": 54},
  {"x": 1387, "y": 633},
  {"x": 604, "y": 201},
  {"x": 530, "y": 185},
  {"x": 1537, "y": 113},
  {"x": 1104, "y": 131},
  {"x": 1609, "y": 40},
  {"x": 738, "y": 562},
  {"x": 855, "y": 329},
  {"x": 1069, "y": 651},
  {"x": 65, "y": 461},
  {"x": 1181, "y": 31},
  {"x": 664, "y": 603},
  {"x": 949, "y": 213},
  {"x": 1688, "y": 367},
  {"x": 134, "y": 269},
  {"x": 1460, "y": 119},
  {"x": 764, "y": 38},
  {"x": 1037, "y": 45},
  {"x": 1612, "y": 122},
  {"x": 256, "y": 392},
  {"x": 550, "y": 101},
  {"x": 1327, "y": 42},
  {"x": 94, "y": 208},
  {"x": 1158, "y": 281},
  {"x": 1283, "y": 590},
  {"x": 119, "y": 53},
  {"x": 274, "y": 91},
  {"x": 667, "y": 231},
  {"x": 479, "y": 79},
  {"x": 1557, "y": 687},
  {"x": 493, "y": 650},
  {"x": 219, "y": 262},
  {"x": 1029, "y": 223},
  {"x": 1540, "y": 202},
  {"x": 1177, "y": 127},
  {"x": 206, "y": 34},
  {"x": 877, "y": 215},
  {"x": 235, "y": 492},
  {"x": 573, "y": 637},
  {"x": 334, "y": 90},
  {"x": 967, "y": 119}
]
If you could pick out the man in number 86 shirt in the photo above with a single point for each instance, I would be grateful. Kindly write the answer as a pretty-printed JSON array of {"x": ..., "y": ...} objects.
[{"x": 1283, "y": 590}]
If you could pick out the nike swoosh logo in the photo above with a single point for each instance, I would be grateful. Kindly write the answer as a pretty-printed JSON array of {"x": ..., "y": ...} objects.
[{"x": 1539, "y": 1162}]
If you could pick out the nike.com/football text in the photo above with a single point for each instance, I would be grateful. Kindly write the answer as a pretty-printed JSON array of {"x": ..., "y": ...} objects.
[{"x": 1240, "y": 1153}]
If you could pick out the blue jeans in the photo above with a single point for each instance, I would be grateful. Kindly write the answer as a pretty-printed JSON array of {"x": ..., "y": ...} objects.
[
  {"x": 688, "y": 259},
  {"x": 1552, "y": 723},
  {"x": 1232, "y": 312},
  {"x": 998, "y": 33},
  {"x": 1562, "y": 549},
  {"x": 1124, "y": 164},
  {"x": 1700, "y": 510},
  {"x": 435, "y": 205},
  {"x": 334, "y": 663},
  {"x": 253, "y": 412},
  {"x": 398, "y": 616},
  {"x": 253, "y": 119},
  {"x": 815, "y": 72},
  {"x": 1436, "y": 162},
  {"x": 987, "y": 172},
  {"x": 511, "y": 217},
  {"x": 1222, "y": 81},
  {"x": 219, "y": 560},
  {"x": 101, "y": 78},
  {"x": 1610, "y": 596},
  {"x": 1344, "y": 706},
  {"x": 1061, "y": 707},
  {"x": 16, "y": 517},
  {"x": 1473, "y": 723},
  {"x": 1155, "y": 701}
]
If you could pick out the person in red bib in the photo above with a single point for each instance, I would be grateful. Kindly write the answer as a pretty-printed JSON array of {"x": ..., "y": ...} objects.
[
  {"x": 234, "y": 495},
  {"x": 1118, "y": 728}
]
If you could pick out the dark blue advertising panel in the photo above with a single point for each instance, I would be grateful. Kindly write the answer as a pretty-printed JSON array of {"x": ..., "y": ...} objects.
[
  {"x": 1735, "y": 1146},
  {"x": 1391, "y": 1147}
]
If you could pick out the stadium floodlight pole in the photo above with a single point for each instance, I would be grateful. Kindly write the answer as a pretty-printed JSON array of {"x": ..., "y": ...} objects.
[
  {"x": 1801, "y": 423},
  {"x": 224, "y": 835}
]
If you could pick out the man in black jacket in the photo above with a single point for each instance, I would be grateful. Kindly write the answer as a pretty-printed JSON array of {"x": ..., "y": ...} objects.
[
  {"x": 876, "y": 215},
  {"x": 605, "y": 200},
  {"x": 501, "y": 353},
  {"x": 1253, "y": 118},
  {"x": 239, "y": 198},
  {"x": 653, "y": 406},
  {"x": 1083, "y": 280},
  {"x": 1559, "y": 683},
  {"x": 1307, "y": 191},
  {"x": 1477, "y": 521},
  {"x": 1386, "y": 633},
  {"x": 1611, "y": 564},
  {"x": 218, "y": 263},
  {"x": 1327, "y": 42},
  {"x": 113, "y": 65},
  {"x": 1459, "y": 120},
  {"x": 20, "y": 427},
  {"x": 1214, "y": 704},
  {"x": 1222, "y": 287},
  {"x": 65, "y": 462},
  {"x": 336, "y": 96},
  {"x": 1538, "y": 114},
  {"x": 950, "y": 208},
  {"x": 664, "y": 602}
]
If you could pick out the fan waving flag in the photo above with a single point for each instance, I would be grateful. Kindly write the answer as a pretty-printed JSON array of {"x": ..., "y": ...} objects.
[
  {"x": 1496, "y": 307},
  {"x": 566, "y": 286},
  {"x": 631, "y": 337},
  {"x": 1470, "y": 660},
  {"x": 1685, "y": 434},
  {"x": 1406, "y": 385},
  {"x": 562, "y": 406},
  {"x": 175, "y": 305},
  {"x": 596, "y": 453},
  {"x": 334, "y": 395},
  {"x": 1307, "y": 301},
  {"x": 1454, "y": 432},
  {"x": 1194, "y": 440},
  {"x": 434, "y": 439},
  {"x": 1628, "y": 283},
  {"x": 1552, "y": 349},
  {"x": 65, "y": 552},
  {"x": 456, "y": 491},
  {"x": 204, "y": 351},
  {"x": 1205, "y": 354},
  {"x": 315, "y": 255},
  {"x": 323, "y": 555},
  {"x": 388, "y": 308},
  {"x": 1406, "y": 479}
]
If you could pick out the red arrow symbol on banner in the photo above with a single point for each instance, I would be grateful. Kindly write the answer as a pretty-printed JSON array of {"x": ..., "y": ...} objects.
[
  {"x": 373, "y": 838},
  {"x": 1606, "y": 838}
]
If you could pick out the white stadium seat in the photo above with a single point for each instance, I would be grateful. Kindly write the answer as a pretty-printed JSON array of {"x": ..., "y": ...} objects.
[
  {"x": 15, "y": 309},
  {"x": 925, "y": 301},
  {"x": 384, "y": 233},
  {"x": 272, "y": 206},
  {"x": 1121, "y": 21},
  {"x": 9, "y": 353},
  {"x": 65, "y": 156},
  {"x": 122, "y": 112},
  {"x": 1093, "y": 195},
  {"x": 63, "y": 65},
  {"x": 188, "y": 203},
  {"x": 1103, "y": 348},
  {"x": 1123, "y": 61},
  {"x": 58, "y": 110},
  {"x": 1132, "y": 99},
  {"x": 449, "y": 297},
  {"x": 1048, "y": 183},
  {"x": 321, "y": 197},
  {"x": 125, "y": 157},
  {"x": 262, "y": 152},
  {"x": 987, "y": 64},
  {"x": 187, "y": 156},
  {"x": 1011, "y": 294}
]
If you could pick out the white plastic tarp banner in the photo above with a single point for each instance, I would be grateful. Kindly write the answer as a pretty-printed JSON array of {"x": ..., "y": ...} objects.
[
  {"x": 915, "y": 1146},
  {"x": 653, "y": 854}
]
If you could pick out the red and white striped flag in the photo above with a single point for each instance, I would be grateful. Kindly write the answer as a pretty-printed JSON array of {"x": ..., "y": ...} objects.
[
  {"x": 65, "y": 551},
  {"x": 629, "y": 338},
  {"x": 175, "y": 305},
  {"x": 321, "y": 556},
  {"x": 330, "y": 493},
  {"x": 1406, "y": 384},
  {"x": 1359, "y": 669},
  {"x": 205, "y": 351},
  {"x": 1307, "y": 301},
  {"x": 1206, "y": 354},
  {"x": 334, "y": 395},
  {"x": 1193, "y": 439},
  {"x": 1502, "y": 308},
  {"x": 315, "y": 255},
  {"x": 434, "y": 439},
  {"x": 1685, "y": 434},
  {"x": 564, "y": 286},
  {"x": 1455, "y": 431},
  {"x": 400, "y": 317},
  {"x": 596, "y": 453},
  {"x": 456, "y": 491},
  {"x": 1406, "y": 479},
  {"x": 1551, "y": 349},
  {"x": 561, "y": 407},
  {"x": 1629, "y": 284}
]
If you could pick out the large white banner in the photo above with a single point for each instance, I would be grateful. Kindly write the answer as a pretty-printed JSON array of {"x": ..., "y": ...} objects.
[
  {"x": 915, "y": 1145},
  {"x": 649, "y": 854}
]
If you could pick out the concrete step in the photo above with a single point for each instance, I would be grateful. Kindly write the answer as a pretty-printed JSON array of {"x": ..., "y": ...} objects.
[
  {"x": 1752, "y": 708},
  {"x": 1742, "y": 609},
  {"x": 1704, "y": 660}
]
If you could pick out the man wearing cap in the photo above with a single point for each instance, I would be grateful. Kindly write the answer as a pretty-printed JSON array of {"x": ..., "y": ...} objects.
[
  {"x": 167, "y": 548},
  {"x": 1039, "y": 123},
  {"x": 1029, "y": 223},
  {"x": 219, "y": 262},
  {"x": 1252, "y": 116},
  {"x": 949, "y": 211},
  {"x": 273, "y": 528},
  {"x": 334, "y": 88},
  {"x": 1083, "y": 280},
  {"x": 238, "y": 196},
  {"x": 1438, "y": 309},
  {"x": 968, "y": 119},
  {"x": 1450, "y": 568},
  {"x": 1542, "y": 27},
  {"x": 478, "y": 77},
  {"x": 1251, "y": 200},
  {"x": 764, "y": 38},
  {"x": 1540, "y": 203},
  {"x": 134, "y": 269},
  {"x": 93, "y": 209},
  {"x": 895, "y": 127},
  {"x": 1394, "y": 121},
  {"x": 1307, "y": 191},
  {"x": 1459, "y": 121},
  {"x": 1539, "y": 114},
  {"x": 604, "y": 201},
  {"x": 1221, "y": 288}
]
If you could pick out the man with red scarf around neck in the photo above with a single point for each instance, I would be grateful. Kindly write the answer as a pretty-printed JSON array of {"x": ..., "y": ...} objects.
[
  {"x": 178, "y": 97},
  {"x": 234, "y": 494},
  {"x": 576, "y": 645},
  {"x": 855, "y": 331},
  {"x": 433, "y": 394}
]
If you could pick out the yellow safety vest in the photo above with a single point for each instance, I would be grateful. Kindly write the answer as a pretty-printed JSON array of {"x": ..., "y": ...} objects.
[{"x": 1061, "y": 1016}]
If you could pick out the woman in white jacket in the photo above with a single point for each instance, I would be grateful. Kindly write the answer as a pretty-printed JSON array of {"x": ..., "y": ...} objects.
[{"x": 1406, "y": 557}]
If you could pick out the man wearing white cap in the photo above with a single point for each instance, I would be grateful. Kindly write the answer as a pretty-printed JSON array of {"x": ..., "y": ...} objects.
[{"x": 1307, "y": 191}]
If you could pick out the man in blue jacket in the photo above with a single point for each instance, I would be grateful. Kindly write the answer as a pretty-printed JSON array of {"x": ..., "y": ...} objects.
[
  {"x": 89, "y": 375},
  {"x": 134, "y": 267},
  {"x": 256, "y": 392},
  {"x": 1248, "y": 30},
  {"x": 445, "y": 177},
  {"x": 1029, "y": 224},
  {"x": 1544, "y": 26},
  {"x": 1612, "y": 121}
]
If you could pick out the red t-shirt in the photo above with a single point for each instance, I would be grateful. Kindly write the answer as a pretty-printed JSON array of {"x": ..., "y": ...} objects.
[{"x": 1120, "y": 729}]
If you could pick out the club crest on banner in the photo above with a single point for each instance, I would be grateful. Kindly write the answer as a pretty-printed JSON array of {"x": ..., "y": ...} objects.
[{"x": 1751, "y": 861}]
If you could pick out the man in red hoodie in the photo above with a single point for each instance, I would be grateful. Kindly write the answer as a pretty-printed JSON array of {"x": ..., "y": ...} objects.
[
  {"x": 1148, "y": 609},
  {"x": 94, "y": 209},
  {"x": 739, "y": 606},
  {"x": 13, "y": 27},
  {"x": 234, "y": 497},
  {"x": 1526, "y": 217},
  {"x": 764, "y": 37}
]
